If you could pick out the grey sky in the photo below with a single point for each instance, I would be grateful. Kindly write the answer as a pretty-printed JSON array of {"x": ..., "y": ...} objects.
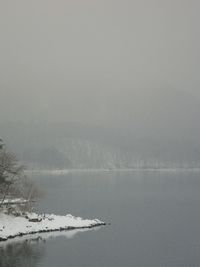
[{"x": 106, "y": 62}]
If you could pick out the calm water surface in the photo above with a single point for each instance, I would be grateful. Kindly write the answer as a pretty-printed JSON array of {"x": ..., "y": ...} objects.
[{"x": 154, "y": 216}]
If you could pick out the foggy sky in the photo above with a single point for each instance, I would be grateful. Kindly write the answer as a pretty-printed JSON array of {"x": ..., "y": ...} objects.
[{"x": 108, "y": 62}]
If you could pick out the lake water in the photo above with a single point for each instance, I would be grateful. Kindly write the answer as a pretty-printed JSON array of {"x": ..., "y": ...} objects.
[{"x": 154, "y": 216}]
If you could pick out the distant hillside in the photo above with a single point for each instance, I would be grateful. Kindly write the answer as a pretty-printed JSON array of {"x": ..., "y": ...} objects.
[
  {"x": 141, "y": 131},
  {"x": 78, "y": 146}
]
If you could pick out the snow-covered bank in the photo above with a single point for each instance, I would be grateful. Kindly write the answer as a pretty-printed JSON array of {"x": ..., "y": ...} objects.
[
  {"x": 67, "y": 171},
  {"x": 12, "y": 226}
]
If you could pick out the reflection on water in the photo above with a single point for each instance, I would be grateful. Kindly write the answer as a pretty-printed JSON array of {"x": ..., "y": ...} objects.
[
  {"x": 29, "y": 250},
  {"x": 21, "y": 254}
]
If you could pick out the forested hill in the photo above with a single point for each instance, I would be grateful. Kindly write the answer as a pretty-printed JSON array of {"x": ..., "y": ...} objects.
[
  {"x": 140, "y": 130},
  {"x": 70, "y": 145}
]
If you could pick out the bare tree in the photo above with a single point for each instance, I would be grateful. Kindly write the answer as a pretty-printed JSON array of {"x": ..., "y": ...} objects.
[{"x": 13, "y": 181}]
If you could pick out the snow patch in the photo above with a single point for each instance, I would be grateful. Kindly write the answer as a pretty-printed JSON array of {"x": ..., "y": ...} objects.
[{"x": 32, "y": 223}]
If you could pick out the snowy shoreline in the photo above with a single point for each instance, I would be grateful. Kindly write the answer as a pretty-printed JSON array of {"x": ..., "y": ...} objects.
[
  {"x": 68, "y": 171},
  {"x": 12, "y": 226}
]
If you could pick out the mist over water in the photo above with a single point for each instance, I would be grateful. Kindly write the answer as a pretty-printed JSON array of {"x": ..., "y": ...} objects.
[
  {"x": 118, "y": 75},
  {"x": 93, "y": 90}
]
